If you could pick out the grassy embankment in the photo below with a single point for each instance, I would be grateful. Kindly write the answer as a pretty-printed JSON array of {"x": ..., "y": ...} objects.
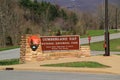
[
  {"x": 8, "y": 48},
  {"x": 98, "y": 46},
  {"x": 9, "y": 62},
  {"x": 83, "y": 64},
  {"x": 97, "y": 33},
  {"x": 114, "y": 45}
]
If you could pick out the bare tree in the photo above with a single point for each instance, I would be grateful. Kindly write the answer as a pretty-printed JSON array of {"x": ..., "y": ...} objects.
[
  {"x": 112, "y": 16},
  {"x": 10, "y": 20}
]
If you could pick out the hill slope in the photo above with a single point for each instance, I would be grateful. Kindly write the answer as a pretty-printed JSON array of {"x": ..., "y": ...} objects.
[{"x": 83, "y": 5}]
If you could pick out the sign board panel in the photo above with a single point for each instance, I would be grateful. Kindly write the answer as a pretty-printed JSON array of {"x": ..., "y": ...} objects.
[{"x": 60, "y": 43}]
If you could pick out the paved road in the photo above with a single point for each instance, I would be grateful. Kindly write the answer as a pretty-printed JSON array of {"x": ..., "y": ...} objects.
[
  {"x": 14, "y": 53},
  {"x": 99, "y": 38},
  {"x": 102, "y": 52},
  {"x": 10, "y": 54},
  {"x": 28, "y": 75}
]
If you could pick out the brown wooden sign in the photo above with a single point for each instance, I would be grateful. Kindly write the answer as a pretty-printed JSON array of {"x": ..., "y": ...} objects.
[{"x": 60, "y": 43}]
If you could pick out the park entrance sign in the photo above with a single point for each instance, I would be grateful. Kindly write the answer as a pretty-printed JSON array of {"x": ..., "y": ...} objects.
[
  {"x": 49, "y": 43},
  {"x": 51, "y": 47}
]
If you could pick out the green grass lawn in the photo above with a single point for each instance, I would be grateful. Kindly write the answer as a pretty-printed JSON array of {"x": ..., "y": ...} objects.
[
  {"x": 114, "y": 45},
  {"x": 83, "y": 64},
  {"x": 9, "y": 62},
  {"x": 98, "y": 33},
  {"x": 8, "y": 48}
]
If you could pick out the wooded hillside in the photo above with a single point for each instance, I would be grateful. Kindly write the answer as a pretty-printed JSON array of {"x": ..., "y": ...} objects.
[{"x": 18, "y": 17}]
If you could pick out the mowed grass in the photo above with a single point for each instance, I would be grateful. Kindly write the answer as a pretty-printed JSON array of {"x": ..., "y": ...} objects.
[
  {"x": 114, "y": 45},
  {"x": 9, "y": 62},
  {"x": 118, "y": 54},
  {"x": 97, "y": 33},
  {"x": 83, "y": 64},
  {"x": 8, "y": 48}
]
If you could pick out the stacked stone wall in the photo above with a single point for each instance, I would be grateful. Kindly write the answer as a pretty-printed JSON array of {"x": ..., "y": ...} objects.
[{"x": 27, "y": 55}]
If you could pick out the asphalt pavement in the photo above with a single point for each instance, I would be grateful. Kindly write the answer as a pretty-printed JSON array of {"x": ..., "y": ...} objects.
[
  {"x": 32, "y": 75},
  {"x": 10, "y": 54}
]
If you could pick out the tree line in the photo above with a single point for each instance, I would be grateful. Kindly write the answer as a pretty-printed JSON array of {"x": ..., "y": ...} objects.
[{"x": 18, "y": 17}]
